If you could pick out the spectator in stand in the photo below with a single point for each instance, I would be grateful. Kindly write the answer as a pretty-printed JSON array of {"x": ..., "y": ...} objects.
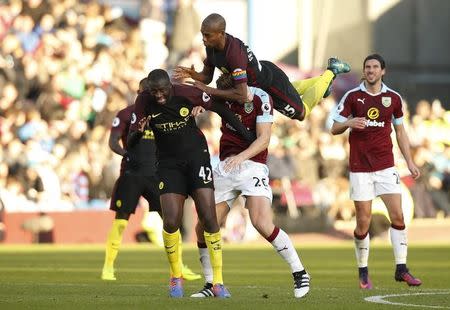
[{"x": 185, "y": 31}]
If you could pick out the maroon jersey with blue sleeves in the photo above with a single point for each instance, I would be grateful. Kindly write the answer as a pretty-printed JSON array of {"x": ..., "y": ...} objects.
[
  {"x": 260, "y": 110},
  {"x": 371, "y": 147}
]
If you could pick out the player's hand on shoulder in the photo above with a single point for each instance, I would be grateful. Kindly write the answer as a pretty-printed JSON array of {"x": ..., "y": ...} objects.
[
  {"x": 180, "y": 72},
  {"x": 357, "y": 122},
  {"x": 197, "y": 110}
]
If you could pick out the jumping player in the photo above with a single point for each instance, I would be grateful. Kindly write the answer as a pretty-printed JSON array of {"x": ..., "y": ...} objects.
[{"x": 231, "y": 55}]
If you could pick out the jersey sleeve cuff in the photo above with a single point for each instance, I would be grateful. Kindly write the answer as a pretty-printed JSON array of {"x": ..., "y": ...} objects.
[
  {"x": 339, "y": 118},
  {"x": 264, "y": 119},
  {"x": 397, "y": 121}
]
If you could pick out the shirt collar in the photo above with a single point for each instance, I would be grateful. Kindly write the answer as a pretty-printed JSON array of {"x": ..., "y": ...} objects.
[{"x": 384, "y": 88}]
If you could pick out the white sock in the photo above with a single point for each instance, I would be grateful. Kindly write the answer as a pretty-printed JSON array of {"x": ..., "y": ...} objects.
[
  {"x": 399, "y": 240},
  {"x": 283, "y": 245},
  {"x": 362, "y": 251},
  {"x": 206, "y": 264}
]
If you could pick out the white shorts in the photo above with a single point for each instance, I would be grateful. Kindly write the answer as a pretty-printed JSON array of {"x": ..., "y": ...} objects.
[
  {"x": 365, "y": 186},
  {"x": 250, "y": 179}
]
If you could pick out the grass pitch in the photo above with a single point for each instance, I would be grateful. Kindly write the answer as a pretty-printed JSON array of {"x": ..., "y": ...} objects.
[{"x": 56, "y": 277}]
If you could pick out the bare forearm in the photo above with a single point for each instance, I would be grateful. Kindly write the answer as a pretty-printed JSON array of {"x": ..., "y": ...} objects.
[
  {"x": 231, "y": 119},
  {"x": 231, "y": 94},
  {"x": 358, "y": 123},
  {"x": 116, "y": 148},
  {"x": 200, "y": 76},
  {"x": 114, "y": 143},
  {"x": 403, "y": 144},
  {"x": 260, "y": 144},
  {"x": 338, "y": 128}
]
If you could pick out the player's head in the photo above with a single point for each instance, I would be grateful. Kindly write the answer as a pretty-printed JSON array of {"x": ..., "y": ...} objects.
[
  {"x": 142, "y": 85},
  {"x": 159, "y": 85},
  {"x": 213, "y": 31},
  {"x": 225, "y": 81},
  {"x": 374, "y": 68}
]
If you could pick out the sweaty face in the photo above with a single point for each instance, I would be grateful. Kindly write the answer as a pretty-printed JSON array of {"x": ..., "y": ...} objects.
[
  {"x": 160, "y": 91},
  {"x": 212, "y": 37},
  {"x": 372, "y": 71}
]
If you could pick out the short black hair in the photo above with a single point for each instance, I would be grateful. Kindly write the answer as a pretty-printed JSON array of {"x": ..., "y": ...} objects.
[
  {"x": 158, "y": 76},
  {"x": 215, "y": 21},
  {"x": 376, "y": 57}
]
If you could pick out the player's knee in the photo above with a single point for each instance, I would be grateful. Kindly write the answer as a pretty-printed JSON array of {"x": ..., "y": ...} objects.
[
  {"x": 300, "y": 116},
  {"x": 362, "y": 225},
  {"x": 170, "y": 225}
]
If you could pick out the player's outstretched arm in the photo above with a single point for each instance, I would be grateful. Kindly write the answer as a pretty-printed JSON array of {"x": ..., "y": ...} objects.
[
  {"x": 204, "y": 76},
  {"x": 237, "y": 93},
  {"x": 231, "y": 119}
]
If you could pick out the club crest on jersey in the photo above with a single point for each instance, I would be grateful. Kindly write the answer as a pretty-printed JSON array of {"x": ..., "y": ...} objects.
[
  {"x": 161, "y": 185},
  {"x": 386, "y": 101},
  {"x": 116, "y": 122},
  {"x": 133, "y": 118},
  {"x": 118, "y": 203},
  {"x": 248, "y": 107},
  {"x": 373, "y": 113},
  {"x": 184, "y": 112}
]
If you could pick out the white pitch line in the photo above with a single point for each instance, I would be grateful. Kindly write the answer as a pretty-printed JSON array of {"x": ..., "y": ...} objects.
[{"x": 380, "y": 300}]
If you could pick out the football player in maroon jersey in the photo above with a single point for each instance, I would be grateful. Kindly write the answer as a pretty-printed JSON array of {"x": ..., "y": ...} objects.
[
  {"x": 231, "y": 55},
  {"x": 243, "y": 171},
  {"x": 370, "y": 110}
]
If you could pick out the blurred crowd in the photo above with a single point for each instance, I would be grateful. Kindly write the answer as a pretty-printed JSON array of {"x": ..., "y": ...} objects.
[{"x": 67, "y": 67}]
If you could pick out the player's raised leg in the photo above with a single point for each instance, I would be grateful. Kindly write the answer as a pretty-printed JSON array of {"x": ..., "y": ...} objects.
[
  {"x": 314, "y": 89},
  {"x": 261, "y": 217}
]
